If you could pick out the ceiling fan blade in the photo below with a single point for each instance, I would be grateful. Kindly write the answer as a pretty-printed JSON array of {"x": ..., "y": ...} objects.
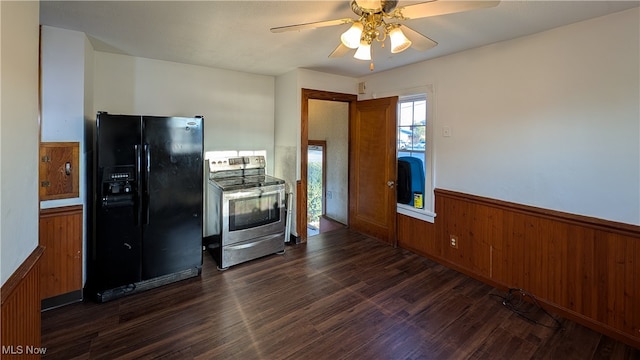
[
  {"x": 313, "y": 25},
  {"x": 418, "y": 41},
  {"x": 339, "y": 51},
  {"x": 441, "y": 7}
]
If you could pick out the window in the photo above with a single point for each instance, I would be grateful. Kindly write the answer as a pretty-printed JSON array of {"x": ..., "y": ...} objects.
[
  {"x": 415, "y": 192},
  {"x": 412, "y": 127}
]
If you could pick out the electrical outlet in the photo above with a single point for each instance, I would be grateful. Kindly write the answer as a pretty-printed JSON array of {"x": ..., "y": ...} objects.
[{"x": 453, "y": 241}]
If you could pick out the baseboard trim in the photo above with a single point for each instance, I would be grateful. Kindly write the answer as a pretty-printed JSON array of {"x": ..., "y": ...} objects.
[
  {"x": 61, "y": 300},
  {"x": 294, "y": 240}
]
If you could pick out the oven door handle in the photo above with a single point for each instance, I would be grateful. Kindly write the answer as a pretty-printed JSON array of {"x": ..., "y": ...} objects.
[{"x": 253, "y": 192}]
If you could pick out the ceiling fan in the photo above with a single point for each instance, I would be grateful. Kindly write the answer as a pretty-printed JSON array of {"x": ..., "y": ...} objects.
[{"x": 379, "y": 19}]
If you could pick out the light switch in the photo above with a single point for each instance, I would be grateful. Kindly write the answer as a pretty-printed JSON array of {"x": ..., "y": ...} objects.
[{"x": 446, "y": 131}]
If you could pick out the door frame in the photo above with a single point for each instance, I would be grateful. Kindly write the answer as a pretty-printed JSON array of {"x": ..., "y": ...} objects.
[{"x": 301, "y": 188}]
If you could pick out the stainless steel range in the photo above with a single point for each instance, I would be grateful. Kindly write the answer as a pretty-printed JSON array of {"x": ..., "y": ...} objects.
[{"x": 245, "y": 211}]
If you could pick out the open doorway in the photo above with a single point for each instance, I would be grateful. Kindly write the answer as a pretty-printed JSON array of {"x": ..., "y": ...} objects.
[
  {"x": 321, "y": 111},
  {"x": 316, "y": 184},
  {"x": 328, "y": 171}
]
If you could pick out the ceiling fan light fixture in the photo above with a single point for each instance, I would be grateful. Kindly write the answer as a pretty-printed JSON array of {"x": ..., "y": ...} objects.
[
  {"x": 399, "y": 41},
  {"x": 351, "y": 37},
  {"x": 363, "y": 52},
  {"x": 371, "y": 5},
  {"x": 376, "y": 21}
]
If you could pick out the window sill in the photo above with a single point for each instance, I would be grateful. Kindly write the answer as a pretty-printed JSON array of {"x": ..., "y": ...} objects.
[{"x": 421, "y": 214}]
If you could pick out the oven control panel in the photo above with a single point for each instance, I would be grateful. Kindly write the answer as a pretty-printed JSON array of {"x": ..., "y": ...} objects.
[
  {"x": 253, "y": 162},
  {"x": 236, "y": 163}
]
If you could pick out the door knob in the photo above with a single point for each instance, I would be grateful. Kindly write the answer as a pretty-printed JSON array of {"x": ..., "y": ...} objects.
[{"x": 390, "y": 183}]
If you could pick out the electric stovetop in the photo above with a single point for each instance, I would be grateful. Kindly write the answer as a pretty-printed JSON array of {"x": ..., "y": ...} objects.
[{"x": 245, "y": 182}]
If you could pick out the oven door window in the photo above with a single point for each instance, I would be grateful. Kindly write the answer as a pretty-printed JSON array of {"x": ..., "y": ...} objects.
[{"x": 250, "y": 212}]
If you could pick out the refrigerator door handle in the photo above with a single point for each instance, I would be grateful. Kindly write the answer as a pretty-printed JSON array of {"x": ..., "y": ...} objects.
[
  {"x": 137, "y": 199},
  {"x": 147, "y": 156}
]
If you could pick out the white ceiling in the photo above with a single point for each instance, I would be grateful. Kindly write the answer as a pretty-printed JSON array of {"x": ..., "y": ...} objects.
[{"x": 235, "y": 34}]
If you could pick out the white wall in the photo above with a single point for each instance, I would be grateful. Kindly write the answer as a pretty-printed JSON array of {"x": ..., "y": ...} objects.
[
  {"x": 89, "y": 112},
  {"x": 19, "y": 132},
  {"x": 550, "y": 120},
  {"x": 238, "y": 107},
  {"x": 289, "y": 94},
  {"x": 63, "y": 73},
  {"x": 287, "y": 130},
  {"x": 308, "y": 79}
]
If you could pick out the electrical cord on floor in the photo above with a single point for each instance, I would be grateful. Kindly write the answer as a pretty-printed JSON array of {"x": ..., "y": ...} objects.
[{"x": 516, "y": 301}]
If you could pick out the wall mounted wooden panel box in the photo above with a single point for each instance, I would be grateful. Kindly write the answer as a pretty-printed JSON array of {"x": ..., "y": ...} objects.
[{"x": 59, "y": 168}]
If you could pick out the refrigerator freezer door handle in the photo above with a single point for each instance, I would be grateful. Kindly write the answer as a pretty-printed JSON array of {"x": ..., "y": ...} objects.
[
  {"x": 147, "y": 156},
  {"x": 136, "y": 202}
]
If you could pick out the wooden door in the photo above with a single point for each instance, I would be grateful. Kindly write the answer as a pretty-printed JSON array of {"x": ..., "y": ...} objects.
[{"x": 372, "y": 175}]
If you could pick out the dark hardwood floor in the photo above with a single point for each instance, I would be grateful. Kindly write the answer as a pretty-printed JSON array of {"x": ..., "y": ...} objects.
[{"x": 339, "y": 296}]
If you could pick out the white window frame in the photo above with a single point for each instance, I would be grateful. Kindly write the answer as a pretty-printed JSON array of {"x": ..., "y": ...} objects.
[{"x": 427, "y": 213}]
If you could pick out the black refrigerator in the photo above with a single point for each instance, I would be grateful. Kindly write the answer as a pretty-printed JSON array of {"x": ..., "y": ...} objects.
[{"x": 145, "y": 219}]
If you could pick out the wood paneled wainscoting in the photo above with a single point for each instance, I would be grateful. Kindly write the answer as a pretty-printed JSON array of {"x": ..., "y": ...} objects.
[
  {"x": 61, "y": 265},
  {"x": 21, "y": 310},
  {"x": 582, "y": 268}
]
